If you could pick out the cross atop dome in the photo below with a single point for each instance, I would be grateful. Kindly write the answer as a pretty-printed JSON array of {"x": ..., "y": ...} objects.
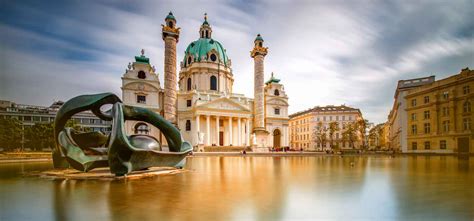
[{"x": 205, "y": 19}]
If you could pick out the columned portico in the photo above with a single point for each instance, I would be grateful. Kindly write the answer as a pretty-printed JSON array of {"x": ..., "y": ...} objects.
[{"x": 219, "y": 128}]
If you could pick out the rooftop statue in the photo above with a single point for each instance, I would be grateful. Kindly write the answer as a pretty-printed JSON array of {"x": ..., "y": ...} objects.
[{"x": 123, "y": 154}]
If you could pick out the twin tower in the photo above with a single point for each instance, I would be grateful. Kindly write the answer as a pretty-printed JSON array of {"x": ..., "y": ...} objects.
[{"x": 170, "y": 34}]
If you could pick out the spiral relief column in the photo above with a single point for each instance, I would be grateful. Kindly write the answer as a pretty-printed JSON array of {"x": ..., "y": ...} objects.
[
  {"x": 258, "y": 54},
  {"x": 170, "y": 35}
]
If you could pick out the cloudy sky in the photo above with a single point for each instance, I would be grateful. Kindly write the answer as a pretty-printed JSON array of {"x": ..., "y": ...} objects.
[{"x": 325, "y": 52}]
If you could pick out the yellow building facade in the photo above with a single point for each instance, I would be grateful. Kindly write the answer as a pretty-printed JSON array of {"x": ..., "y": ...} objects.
[
  {"x": 440, "y": 115},
  {"x": 305, "y": 126}
]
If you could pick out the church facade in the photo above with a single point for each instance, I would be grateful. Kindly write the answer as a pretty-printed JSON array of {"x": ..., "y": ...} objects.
[{"x": 200, "y": 99}]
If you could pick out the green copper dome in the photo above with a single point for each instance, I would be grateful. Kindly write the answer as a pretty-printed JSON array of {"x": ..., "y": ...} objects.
[
  {"x": 259, "y": 38},
  {"x": 170, "y": 16},
  {"x": 200, "y": 48}
]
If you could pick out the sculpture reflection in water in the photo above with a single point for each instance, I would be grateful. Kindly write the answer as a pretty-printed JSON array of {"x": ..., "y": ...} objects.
[{"x": 123, "y": 154}]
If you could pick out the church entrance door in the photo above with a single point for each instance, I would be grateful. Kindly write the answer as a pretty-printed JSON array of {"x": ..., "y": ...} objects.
[
  {"x": 221, "y": 138},
  {"x": 276, "y": 138}
]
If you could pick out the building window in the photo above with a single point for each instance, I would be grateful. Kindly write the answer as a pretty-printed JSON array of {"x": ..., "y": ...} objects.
[
  {"x": 442, "y": 144},
  {"x": 427, "y": 99},
  {"x": 343, "y": 117},
  {"x": 189, "y": 84},
  {"x": 467, "y": 107},
  {"x": 445, "y": 111},
  {"x": 350, "y": 118},
  {"x": 189, "y": 60},
  {"x": 414, "y": 145},
  {"x": 213, "y": 83},
  {"x": 446, "y": 125},
  {"x": 466, "y": 89},
  {"x": 427, "y": 128},
  {"x": 337, "y": 118},
  {"x": 188, "y": 125},
  {"x": 466, "y": 123},
  {"x": 413, "y": 103},
  {"x": 141, "y": 75},
  {"x": 446, "y": 95},
  {"x": 141, "y": 128},
  {"x": 276, "y": 92},
  {"x": 427, "y": 145},
  {"x": 188, "y": 103},
  {"x": 413, "y": 116},
  {"x": 414, "y": 129},
  {"x": 213, "y": 57},
  {"x": 141, "y": 99},
  {"x": 427, "y": 115},
  {"x": 277, "y": 111}
]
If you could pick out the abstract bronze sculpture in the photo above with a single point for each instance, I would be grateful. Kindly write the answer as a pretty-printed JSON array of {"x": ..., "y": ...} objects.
[{"x": 123, "y": 154}]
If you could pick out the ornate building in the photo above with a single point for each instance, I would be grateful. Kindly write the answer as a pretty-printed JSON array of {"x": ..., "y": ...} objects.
[{"x": 205, "y": 108}]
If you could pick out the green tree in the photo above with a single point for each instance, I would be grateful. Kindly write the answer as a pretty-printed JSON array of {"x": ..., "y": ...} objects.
[
  {"x": 333, "y": 128},
  {"x": 361, "y": 126},
  {"x": 350, "y": 133},
  {"x": 10, "y": 133},
  {"x": 40, "y": 136},
  {"x": 320, "y": 134}
]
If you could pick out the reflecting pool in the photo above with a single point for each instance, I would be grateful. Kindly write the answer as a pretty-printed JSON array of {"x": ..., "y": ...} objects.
[{"x": 255, "y": 188}]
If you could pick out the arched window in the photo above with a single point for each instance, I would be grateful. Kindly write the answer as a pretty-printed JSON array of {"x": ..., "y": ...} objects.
[
  {"x": 189, "y": 60},
  {"x": 141, "y": 75},
  {"x": 213, "y": 83},
  {"x": 188, "y": 125},
  {"x": 213, "y": 57},
  {"x": 141, "y": 128},
  {"x": 189, "y": 84},
  {"x": 277, "y": 92},
  {"x": 467, "y": 107},
  {"x": 207, "y": 34},
  {"x": 260, "y": 44},
  {"x": 170, "y": 24}
]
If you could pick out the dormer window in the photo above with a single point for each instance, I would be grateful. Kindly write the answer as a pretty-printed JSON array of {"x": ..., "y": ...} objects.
[
  {"x": 213, "y": 57},
  {"x": 141, "y": 75},
  {"x": 189, "y": 60},
  {"x": 277, "y": 92}
]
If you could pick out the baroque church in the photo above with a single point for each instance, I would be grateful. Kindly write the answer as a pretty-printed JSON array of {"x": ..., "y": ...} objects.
[{"x": 200, "y": 99}]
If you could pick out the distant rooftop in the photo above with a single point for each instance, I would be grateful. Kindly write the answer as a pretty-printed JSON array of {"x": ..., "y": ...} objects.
[{"x": 328, "y": 108}]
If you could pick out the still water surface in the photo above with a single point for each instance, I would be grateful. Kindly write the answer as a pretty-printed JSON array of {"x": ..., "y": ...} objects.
[{"x": 255, "y": 188}]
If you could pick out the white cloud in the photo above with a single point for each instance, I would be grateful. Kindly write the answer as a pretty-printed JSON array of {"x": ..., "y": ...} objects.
[{"x": 325, "y": 52}]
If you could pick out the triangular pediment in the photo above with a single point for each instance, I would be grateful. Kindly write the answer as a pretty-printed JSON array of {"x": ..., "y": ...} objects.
[{"x": 223, "y": 104}]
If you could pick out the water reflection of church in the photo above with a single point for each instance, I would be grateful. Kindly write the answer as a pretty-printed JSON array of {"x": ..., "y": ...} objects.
[{"x": 204, "y": 107}]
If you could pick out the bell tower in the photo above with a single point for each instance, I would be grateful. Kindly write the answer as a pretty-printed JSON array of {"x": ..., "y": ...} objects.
[
  {"x": 170, "y": 34},
  {"x": 258, "y": 54}
]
